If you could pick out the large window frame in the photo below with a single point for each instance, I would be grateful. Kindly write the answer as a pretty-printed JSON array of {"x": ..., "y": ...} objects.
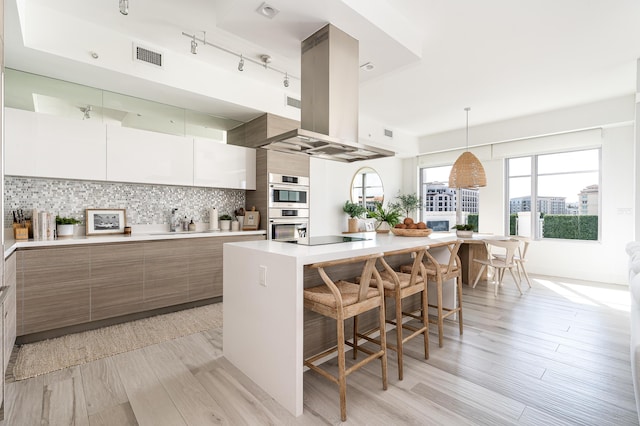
[{"x": 536, "y": 231}]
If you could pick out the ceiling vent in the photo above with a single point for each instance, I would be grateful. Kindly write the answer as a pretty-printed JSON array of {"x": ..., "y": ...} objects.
[
  {"x": 388, "y": 133},
  {"x": 293, "y": 102},
  {"x": 144, "y": 54}
]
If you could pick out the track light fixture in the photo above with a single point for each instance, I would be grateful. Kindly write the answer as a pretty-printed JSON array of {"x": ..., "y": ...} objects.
[
  {"x": 86, "y": 111},
  {"x": 265, "y": 60},
  {"x": 194, "y": 46},
  {"x": 124, "y": 7}
]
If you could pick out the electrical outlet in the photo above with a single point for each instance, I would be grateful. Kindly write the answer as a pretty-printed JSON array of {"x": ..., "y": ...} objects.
[{"x": 262, "y": 276}]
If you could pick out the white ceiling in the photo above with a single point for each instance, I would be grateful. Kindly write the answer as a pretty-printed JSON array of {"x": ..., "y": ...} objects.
[{"x": 503, "y": 58}]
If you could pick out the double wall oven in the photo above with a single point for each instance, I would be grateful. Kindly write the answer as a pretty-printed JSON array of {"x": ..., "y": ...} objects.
[{"x": 288, "y": 207}]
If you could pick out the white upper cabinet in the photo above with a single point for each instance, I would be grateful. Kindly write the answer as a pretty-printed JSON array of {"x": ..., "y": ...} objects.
[
  {"x": 220, "y": 165},
  {"x": 44, "y": 145},
  {"x": 147, "y": 157}
]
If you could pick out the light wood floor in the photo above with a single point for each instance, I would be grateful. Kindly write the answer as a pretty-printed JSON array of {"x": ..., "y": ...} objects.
[{"x": 557, "y": 355}]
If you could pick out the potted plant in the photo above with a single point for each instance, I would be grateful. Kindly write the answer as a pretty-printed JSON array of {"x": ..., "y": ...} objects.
[
  {"x": 387, "y": 218},
  {"x": 464, "y": 230},
  {"x": 354, "y": 211},
  {"x": 407, "y": 203},
  {"x": 225, "y": 222},
  {"x": 65, "y": 226}
]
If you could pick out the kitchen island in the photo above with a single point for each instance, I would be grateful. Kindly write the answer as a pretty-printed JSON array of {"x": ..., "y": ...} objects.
[{"x": 264, "y": 318}]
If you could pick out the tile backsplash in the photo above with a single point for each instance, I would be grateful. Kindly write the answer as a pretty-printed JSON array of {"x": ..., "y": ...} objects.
[{"x": 144, "y": 204}]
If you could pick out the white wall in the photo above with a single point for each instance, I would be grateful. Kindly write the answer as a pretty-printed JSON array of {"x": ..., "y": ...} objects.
[
  {"x": 331, "y": 187},
  {"x": 604, "y": 260}
]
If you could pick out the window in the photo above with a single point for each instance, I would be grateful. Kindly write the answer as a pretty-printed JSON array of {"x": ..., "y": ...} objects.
[
  {"x": 439, "y": 202},
  {"x": 555, "y": 196}
]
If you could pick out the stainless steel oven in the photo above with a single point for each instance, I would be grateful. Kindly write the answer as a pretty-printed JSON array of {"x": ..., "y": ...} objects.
[
  {"x": 287, "y": 229},
  {"x": 288, "y": 192}
]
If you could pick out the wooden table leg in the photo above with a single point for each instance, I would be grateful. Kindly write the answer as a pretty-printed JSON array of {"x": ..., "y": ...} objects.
[{"x": 468, "y": 252}]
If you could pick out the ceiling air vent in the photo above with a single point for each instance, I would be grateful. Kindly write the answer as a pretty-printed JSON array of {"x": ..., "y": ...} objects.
[
  {"x": 293, "y": 102},
  {"x": 146, "y": 55},
  {"x": 388, "y": 133}
]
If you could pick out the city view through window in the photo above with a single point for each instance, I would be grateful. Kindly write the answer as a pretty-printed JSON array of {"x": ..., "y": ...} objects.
[
  {"x": 440, "y": 202},
  {"x": 563, "y": 187}
]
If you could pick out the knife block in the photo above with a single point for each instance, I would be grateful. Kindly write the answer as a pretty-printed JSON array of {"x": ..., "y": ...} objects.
[{"x": 20, "y": 232}]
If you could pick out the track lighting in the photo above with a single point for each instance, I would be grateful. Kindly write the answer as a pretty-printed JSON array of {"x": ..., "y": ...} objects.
[
  {"x": 265, "y": 60},
  {"x": 86, "y": 112},
  {"x": 194, "y": 46},
  {"x": 124, "y": 7}
]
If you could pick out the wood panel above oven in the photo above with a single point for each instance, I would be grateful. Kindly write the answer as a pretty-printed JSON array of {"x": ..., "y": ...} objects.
[{"x": 273, "y": 162}]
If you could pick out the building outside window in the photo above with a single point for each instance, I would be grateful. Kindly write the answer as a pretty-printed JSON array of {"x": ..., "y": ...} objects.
[
  {"x": 440, "y": 201},
  {"x": 565, "y": 190}
]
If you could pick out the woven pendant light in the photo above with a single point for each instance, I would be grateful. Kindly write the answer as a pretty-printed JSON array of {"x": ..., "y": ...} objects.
[{"x": 467, "y": 171}]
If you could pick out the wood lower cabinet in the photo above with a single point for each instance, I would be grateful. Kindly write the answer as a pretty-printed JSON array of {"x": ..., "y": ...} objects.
[
  {"x": 166, "y": 282},
  {"x": 9, "y": 308},
  {"x": 55, "y": 287},
  {"x": 65, "y": 286},
  {"x": 8, "y": 315},
  {"x": 117, "y": 275}
]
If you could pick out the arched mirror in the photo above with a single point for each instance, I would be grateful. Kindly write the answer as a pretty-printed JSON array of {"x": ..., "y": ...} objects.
[{"x": 366, "y": 188}]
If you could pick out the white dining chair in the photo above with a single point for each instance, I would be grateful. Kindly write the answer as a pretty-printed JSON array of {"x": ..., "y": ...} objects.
[
  {"x": 507, "y": 248},
  {"x": 520, "y": 257}
]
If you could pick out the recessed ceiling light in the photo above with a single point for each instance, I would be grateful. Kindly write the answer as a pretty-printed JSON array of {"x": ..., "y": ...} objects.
[
  {"x": 367, "y": 67},
  {"x": 267, "y": 10}
]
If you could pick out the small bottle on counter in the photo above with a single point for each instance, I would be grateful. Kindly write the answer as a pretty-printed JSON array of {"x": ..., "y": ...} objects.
[
  {"x": 192, "y": 226},
  {"x": 185, "y": 224}
]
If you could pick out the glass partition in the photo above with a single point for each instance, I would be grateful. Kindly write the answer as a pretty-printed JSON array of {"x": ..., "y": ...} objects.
[{"x": 46, "y": 95}]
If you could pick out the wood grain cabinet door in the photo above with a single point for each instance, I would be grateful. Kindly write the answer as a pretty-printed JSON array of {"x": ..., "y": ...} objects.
[
  {"x": 117, "y": 273},
  {"x": 9, "y": 308},
  {"x": 55, "y": 288},
  {"x": 166, "y": 265}
]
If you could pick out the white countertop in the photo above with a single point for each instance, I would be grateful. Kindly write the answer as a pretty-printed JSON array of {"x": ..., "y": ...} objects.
[
  {"x": 12, "y": 245},
  {"x": 374, "y": 244}
]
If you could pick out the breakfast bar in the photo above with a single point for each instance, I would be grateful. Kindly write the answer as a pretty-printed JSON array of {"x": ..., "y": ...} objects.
[{"x": 263, "y": 286}]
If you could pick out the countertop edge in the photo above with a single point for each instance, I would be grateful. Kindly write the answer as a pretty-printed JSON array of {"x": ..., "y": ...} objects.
[{"x": 12, "y": 245}]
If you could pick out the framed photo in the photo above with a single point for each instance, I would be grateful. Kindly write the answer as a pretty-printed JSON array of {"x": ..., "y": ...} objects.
[
  {"x": 251, "y": 220},
  {"x": 105, "y": 221},
  {"x": 369, "y": 226}
]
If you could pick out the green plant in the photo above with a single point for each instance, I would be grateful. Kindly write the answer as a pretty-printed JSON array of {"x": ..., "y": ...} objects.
[
  {"x": 67, "y": 221},
  {"x": 390, "y": 215},
  {"x": 407, "y": 203},
  {"x": 225, "y": 217},
  {"x": 464, "y": 227},
  {"x": 353, "y": 210}
]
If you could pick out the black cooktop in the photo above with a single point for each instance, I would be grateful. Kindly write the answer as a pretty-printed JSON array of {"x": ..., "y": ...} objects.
[{"x": 326, "y": 239}]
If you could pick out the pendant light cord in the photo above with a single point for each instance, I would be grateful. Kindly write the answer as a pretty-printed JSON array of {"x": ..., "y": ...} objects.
[{"x": 467, "y": 109}]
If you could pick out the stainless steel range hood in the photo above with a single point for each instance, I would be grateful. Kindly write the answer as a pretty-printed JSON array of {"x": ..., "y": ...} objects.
[{"x": 329, "y": 95}]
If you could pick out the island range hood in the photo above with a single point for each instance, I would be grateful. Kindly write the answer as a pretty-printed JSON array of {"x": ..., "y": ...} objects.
[{"x": 329, "y": 95}]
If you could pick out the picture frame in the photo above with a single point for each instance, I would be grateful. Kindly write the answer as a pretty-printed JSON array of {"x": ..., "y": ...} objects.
[
  {"x": 105, "y": 221},
  {"x": 251, "y": 220},
  {"x": 369, "y": 226}
]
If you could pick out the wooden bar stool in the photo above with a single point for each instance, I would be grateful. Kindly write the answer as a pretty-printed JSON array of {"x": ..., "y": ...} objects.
[
  {"x": 342, "y": 300},
  {"x": 399, "y": 286},
  {"x": 439, "y": 273}
]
